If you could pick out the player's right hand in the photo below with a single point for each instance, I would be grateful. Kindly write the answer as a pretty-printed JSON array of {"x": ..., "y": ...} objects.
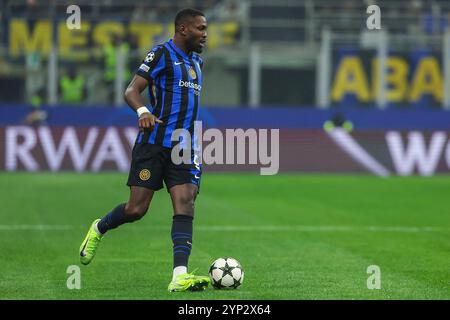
[{"x": 148, "y": 120}]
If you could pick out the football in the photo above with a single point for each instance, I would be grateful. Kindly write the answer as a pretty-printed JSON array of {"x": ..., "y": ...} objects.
[{"x": 226, "y": 273}]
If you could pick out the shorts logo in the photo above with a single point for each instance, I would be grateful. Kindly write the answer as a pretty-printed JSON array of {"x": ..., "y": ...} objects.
[
  {"x": 192, "y": 73},
  {"x": 144, "y": 175}
]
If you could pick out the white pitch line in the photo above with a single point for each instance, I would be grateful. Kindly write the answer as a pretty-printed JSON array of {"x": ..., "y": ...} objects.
[
  {"x": 36, "y": 227},
  {"x": 299, "y": 228},
  {"x": 324, "y": 228}
]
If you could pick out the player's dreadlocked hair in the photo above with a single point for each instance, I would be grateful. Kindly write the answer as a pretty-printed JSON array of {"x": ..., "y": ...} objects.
[{"x": 184, "y": 14}]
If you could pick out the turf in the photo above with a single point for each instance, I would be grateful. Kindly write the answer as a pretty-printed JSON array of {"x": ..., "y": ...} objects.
[{"x": 297, "y": 237}]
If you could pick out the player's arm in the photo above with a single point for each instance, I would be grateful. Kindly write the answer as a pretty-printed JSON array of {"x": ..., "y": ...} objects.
[
  {"x": 151, "y": 67},
  {"x": 134, "y": 99}
]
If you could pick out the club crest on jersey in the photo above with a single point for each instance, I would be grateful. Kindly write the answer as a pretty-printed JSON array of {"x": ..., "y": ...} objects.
[
  {"x": 192, "y": 73},
  {"x": 145, "y": 174}
]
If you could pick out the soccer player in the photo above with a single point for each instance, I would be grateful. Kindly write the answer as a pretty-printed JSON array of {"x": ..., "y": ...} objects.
[{"x": 172, "y": 71}]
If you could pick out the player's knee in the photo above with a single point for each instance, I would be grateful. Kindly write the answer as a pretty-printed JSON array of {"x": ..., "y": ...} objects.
[
  {"x": 135, "y": 212},
  {"x": 187, "y": 201},
  {"x": 186, "y": 204}
]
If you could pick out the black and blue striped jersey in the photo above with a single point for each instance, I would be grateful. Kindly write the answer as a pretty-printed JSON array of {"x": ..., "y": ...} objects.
[{"x": 175, "y": 84}]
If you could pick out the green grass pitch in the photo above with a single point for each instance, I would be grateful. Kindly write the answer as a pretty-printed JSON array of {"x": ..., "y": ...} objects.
[{"x": 296, "y": 236}]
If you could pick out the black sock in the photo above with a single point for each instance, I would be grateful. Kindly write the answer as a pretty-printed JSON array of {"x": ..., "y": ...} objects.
[
  {"x": 182, "y": 239},
  {"x": 114, "y": 219}
]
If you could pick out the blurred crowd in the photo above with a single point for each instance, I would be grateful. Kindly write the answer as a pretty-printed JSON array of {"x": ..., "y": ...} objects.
[
  {"x": 399, "y": 16},
  {"x": 101, "y": 64},
  {"x": 140, "y": 11},
  {"x": 93, "y": 79}
]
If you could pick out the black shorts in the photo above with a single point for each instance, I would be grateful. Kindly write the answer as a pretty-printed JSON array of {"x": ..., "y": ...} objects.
[{"x": 151, "y": 164}]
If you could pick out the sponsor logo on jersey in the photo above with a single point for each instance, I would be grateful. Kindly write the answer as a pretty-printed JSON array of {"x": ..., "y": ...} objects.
[{"x": 189, "y": 84}]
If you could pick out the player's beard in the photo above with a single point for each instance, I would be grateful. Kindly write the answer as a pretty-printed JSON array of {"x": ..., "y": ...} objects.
[{"x": 194, "y": 44}]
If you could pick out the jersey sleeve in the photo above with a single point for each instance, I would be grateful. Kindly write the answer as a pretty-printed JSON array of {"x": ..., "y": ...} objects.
[{"x": 152, "y": 65}]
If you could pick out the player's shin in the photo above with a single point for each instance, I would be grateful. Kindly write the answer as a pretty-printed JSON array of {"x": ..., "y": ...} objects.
[
  {"x": 182, "y": 242},
  {"x": 114, "y": 219}
]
